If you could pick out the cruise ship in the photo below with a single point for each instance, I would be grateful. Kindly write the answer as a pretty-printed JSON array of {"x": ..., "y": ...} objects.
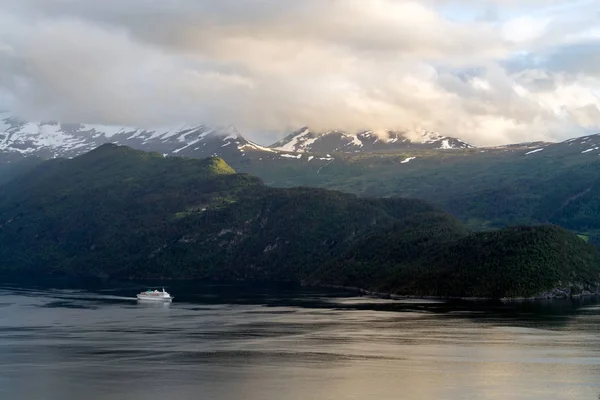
[{"x": 155, "y": 295}]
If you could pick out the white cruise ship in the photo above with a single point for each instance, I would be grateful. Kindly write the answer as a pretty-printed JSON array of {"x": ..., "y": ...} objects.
[{"x": 155, "y": 295}]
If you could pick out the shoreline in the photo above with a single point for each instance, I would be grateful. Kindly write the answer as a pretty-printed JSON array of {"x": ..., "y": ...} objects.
[
  {"x": 573, "y": 291},
  {"x": 553, "y": 294}
]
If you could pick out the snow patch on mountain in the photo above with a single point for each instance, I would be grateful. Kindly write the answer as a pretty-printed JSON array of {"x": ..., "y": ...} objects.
[
  {"x": 55, "y": 139},
  {"x": 253, "y": 146},
  {"x": 193, "y": 142},
  {"x": 423, "y": 136},
  {"x": 306, "y": 140},
  {"x": 298, "y": 156},
  {"x": 298, "y": 141},
  {"x": 446, "y": 144},
  {"x": 534, "y": 151},
  {"x": 355, "y": 141}
]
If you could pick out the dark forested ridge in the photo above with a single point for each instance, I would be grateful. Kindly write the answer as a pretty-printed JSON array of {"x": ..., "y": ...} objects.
[
  {"x": 513, "y": 262},
  {"x": 486, "y": 188},
  {"x": 122, "y": 213},
  {"x": 13, "y": 165},
  {"x": 521, "y": 184}
]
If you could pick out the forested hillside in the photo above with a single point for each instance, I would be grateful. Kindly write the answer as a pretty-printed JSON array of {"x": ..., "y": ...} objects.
[
  {"x": 485, "y": 188},
  {"x": 121, "y": 213}
]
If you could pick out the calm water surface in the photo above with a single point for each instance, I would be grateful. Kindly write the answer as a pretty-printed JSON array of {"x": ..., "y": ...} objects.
[{"x": 222, "y": 343}]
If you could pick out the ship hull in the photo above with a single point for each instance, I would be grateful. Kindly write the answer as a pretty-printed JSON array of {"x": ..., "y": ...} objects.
[{"x": 155, "y": 298}]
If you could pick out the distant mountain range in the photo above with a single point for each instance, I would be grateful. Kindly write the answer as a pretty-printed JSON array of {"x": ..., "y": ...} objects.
[
  {"x": 306, "y": 140},
  {"x": 55, "y": 139},
  {"x": 489, "y": 188}
]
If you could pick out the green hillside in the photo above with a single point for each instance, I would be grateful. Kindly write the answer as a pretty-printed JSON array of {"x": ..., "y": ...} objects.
[
  {"x": 12, "y": 165},
  {"x": 487, "y": 189},
  {"x": 513, "y": 262},
  {"x": 121, "y": 213}
]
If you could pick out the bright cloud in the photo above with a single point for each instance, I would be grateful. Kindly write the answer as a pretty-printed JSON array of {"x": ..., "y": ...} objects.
[{"x": 489, "y": 72}]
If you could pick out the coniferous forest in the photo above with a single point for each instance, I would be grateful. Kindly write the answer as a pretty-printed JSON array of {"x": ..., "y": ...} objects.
[{"x": 121, "y": 213}]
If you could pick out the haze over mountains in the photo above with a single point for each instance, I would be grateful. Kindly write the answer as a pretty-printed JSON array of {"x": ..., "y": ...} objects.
[{"x": 56, "y": 139}]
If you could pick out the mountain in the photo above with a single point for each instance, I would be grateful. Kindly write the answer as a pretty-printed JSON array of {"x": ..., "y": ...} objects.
[
  {"x": 305, "y": 140},
  {"x": 513, "y": 262},
  {"x": 45, "y": 140},
  {"x": 123, "y": 213},
  {"x": 13, "y": 165},
  {"x": 489, "y": 188},
  {"x": 36, "y": 141},
  {"x": 126, "y": 213},
  {"x": 521, "y": 146},
  {"x": 54, "y": 139}
]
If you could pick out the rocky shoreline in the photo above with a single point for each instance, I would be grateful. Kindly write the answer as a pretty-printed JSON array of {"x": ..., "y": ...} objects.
[
  {"x": 571, "y": 291},
  {"x": 566, "y": 292}
]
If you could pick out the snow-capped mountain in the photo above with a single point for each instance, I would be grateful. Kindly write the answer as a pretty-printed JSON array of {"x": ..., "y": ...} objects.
[
  {"x": 308, "y": 141},
  {"x": 19, "y": 138},
  {"x": 589, "y": 144},
  {"x": 585, "y": 146},
  {"x": 521, "y": 146},
  {"x": 54, "y": 139}
]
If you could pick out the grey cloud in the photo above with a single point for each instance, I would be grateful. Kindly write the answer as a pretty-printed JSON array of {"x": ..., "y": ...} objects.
[
  {"x": 272, "y": 65},
  {"x": 202, "y": 25},
  {"x": 579, "y": 58}
]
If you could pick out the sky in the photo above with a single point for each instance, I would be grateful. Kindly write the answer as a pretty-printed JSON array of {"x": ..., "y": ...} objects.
[{"x": 487, "y": 71}]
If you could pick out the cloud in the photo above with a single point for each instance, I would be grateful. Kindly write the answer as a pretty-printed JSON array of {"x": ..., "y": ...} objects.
[{"x": 489, "y": 72}]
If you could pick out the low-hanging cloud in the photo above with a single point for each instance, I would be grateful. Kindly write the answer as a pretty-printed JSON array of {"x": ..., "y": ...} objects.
[{"x": 489, "y": 72}]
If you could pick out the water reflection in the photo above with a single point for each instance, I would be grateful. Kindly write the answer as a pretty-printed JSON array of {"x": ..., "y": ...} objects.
[
  {"x": 153, "y": 304},
  {"x": 273, "y": 343}
]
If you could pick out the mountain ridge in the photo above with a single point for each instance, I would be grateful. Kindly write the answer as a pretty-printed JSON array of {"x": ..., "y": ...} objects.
[
  {"x": 306, "y": 140},
  {"x": 116, "y": 212},
  {"x": 488, "y": 187},
  {"x": 50, "y": 139},
  {"x": 55, "y": 139}
]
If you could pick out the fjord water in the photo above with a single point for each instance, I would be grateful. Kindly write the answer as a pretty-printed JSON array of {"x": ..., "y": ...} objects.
[{"x": 260, "y": 343}]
